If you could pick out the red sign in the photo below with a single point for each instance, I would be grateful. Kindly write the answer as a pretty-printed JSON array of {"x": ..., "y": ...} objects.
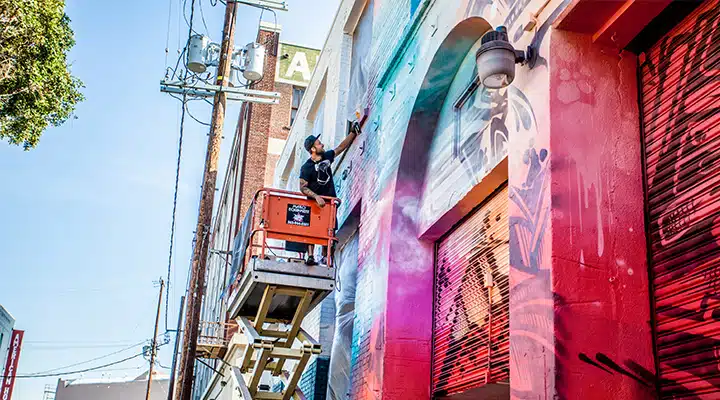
[{"x": 11, "y": 366}]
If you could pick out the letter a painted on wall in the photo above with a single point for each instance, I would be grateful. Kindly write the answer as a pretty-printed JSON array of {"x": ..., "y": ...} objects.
[
  {"x": 295, "y": 64},
  {"x": 299, "y": 63},
  {"x": 8, "y": 381}
]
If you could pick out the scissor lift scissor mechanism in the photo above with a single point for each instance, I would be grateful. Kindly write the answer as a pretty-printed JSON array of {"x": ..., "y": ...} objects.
[{"x": 274, "y": 291}]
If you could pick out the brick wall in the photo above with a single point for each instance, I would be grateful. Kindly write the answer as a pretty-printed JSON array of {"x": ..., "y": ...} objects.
[
  {"x": 279, "y": 129},
  {"x": 260, "y": 123},
  {"x": 320, "y": 323},
  {"x": 313, "y": 382}
]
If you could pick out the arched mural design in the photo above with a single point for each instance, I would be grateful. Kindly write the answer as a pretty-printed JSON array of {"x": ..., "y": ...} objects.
[
  {"x": 471, "y": 137},
  {"x": 401, "y": 143},
  {"x": 457, "y": 134}
]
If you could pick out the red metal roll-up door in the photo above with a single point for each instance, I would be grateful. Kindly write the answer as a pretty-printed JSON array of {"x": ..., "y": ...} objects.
[
  {"x": 681, "y": 116},
  {"x": 471, "y": 300}
]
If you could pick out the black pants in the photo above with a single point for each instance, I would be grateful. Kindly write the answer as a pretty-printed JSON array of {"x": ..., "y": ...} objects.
[
  {"x": 324, "y": 248},
  {"x": 305, "y": 248}
]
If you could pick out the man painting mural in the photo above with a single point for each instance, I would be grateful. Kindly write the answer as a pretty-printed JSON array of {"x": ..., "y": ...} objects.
[{"x": 316, "y": 179}]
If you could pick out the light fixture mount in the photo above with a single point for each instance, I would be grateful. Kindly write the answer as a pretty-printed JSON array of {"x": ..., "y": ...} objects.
[{"x": 496, "y": 59}]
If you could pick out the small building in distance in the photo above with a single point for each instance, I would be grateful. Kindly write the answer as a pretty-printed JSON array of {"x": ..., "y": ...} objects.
[{"x": 112, "y": 389}]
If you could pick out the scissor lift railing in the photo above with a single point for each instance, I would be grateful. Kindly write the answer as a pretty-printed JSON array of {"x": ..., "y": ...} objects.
[
  {"x": 212, "y": 339},
  {"x": 275, "y": 290}
]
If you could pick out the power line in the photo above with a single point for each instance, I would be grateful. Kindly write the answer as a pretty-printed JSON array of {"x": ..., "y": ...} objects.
[
  {"x": 177, "y": 170},
  {"x": 38, "y": 375},
  {"x": 196, "y": 120},
  {"x": 71, "y": 347},
  {"x": 202, "y": 16},
  {"x": 192, "y": 13},
  {"x": 91, "y": 360},
  {"x": 81, "y": 342},
  {"x": 174, "y": 209},
  {"x": 167, "y": 37},
  {"x": 262, "y": 11}
]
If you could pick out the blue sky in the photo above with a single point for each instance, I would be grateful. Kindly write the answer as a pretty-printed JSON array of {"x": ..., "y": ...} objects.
[{"x": 86, "y": 216}]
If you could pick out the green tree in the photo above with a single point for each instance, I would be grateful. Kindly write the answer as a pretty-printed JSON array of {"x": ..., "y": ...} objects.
[{"x": 36, "y": 87}]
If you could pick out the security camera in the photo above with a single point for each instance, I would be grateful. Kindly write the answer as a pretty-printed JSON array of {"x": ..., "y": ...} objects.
[{"x": 496, "y": 59}]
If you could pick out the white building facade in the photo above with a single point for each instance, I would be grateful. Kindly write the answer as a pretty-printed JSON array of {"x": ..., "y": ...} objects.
[{"x": 7, "y": 323}]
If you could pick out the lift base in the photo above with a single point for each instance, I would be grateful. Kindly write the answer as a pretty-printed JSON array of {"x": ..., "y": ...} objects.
[
  {"x": 263, "y": 273},
  {"x": 270, "y": 345}
]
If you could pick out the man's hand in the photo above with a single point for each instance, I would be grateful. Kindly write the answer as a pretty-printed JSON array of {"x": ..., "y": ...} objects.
[
  {"x": 354, "y": 131},
  {"x": 320, "y": 201}
]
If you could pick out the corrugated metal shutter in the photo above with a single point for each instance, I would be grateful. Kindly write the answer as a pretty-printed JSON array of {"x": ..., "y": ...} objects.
[
  {"x": 472, "y": 257},
  {"x": 681, "y": 116}
]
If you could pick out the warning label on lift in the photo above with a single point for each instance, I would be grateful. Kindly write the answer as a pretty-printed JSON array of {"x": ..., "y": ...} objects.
[{"x": 298, "y": 215}]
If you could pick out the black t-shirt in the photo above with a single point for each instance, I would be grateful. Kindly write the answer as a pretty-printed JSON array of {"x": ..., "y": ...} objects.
[{"x": 318, "y": 175}]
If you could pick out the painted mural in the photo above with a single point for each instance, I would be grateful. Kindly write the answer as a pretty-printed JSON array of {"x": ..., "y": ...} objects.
[
  {"x": 578, "y": 269},
  {"x": 471, "y": 327},
  {"x": 681, "y": 85},
  {"x": 393, "y": 319},
  {"x": 532, "y": 316},
  {"x": 475, "y": 130},
  {"x": 471, "y": 138}
]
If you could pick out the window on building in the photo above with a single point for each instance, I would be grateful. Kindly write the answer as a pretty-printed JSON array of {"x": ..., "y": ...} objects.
[
  {"x": 319, "y": 120},
  {"x": 297, "y": 95},
  {"x": 472, "y": 112},
  {"x": 360, "y": 59},
  {"x": 481, "y": 134}
]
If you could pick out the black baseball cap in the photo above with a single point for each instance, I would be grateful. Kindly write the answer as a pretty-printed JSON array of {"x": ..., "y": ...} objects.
[{"x": 310, "y": 142}]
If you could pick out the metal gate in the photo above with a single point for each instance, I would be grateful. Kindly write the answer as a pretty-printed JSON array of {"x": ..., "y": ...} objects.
[
  {"x": 681, "y": 117},
  {"x": 471, "y": 311}
]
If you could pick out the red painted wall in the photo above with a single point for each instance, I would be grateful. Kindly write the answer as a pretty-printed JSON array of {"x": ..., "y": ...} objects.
[
  {"x": 599, "y": 262},
  {"x": 579, "y": 301}
]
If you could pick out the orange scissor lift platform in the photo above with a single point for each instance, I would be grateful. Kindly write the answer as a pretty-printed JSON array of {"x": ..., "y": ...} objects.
[{"x": 275, "y": 289}]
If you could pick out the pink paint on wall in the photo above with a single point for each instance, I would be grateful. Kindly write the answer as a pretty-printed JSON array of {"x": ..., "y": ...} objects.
[
  {"x": 409, "y": 308},
  {"x": 599, "y": 262},
  {"x": 370, "y": 302}
]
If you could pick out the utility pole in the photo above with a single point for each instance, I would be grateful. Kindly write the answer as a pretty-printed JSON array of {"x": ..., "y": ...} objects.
[
  {"x": 199, "y": 260},
  {"x": 153, "y": 350},
  {"x": 171, "y": 386}
]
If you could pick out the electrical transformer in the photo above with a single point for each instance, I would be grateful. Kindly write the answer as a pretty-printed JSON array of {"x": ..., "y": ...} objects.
[
  {"x": 254, "y": 61},
  {"x": 196, "y": 52}
]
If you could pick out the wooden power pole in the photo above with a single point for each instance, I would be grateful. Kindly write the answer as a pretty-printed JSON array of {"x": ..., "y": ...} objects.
[
  {"x": 171, "y": 386},
  {"x": 202, "y": 232},
  {"x": 153, "y": 349}
]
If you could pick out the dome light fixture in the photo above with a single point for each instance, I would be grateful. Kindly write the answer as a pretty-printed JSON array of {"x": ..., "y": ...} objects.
[{"x": 496, "y": 59}]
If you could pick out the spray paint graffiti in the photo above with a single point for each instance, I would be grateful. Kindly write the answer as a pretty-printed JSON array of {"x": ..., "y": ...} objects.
[
  {"x": 471, "y": 302},
  {"x": 481, "y": 127},
  {"x": 527, "y": 231},
  {"x": 681, "y": 84},
  {"x": 482, "y": 122},
  {"x": 631, "y": 369},
  {"x": 532, "y": 317}
]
